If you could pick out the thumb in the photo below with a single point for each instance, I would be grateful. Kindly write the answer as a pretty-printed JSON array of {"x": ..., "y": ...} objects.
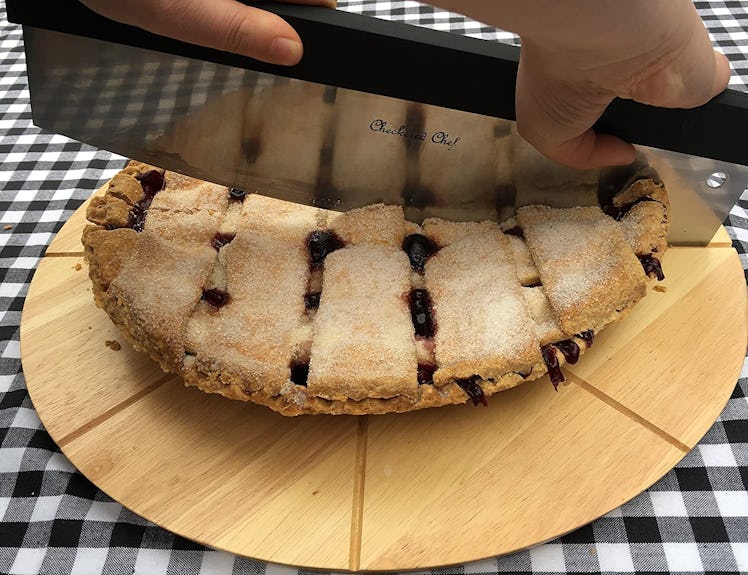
[{"x": 556, "y": 116}]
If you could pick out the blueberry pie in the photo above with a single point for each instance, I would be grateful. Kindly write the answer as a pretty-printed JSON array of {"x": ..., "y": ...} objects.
[{"x": 312, "y": 311}]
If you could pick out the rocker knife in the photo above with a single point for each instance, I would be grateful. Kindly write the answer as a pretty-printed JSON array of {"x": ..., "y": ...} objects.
[{"x": 376, "y": 111}]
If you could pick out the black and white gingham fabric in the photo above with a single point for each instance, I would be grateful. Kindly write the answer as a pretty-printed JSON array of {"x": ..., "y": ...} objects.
[{"x": 53, "y": 520}]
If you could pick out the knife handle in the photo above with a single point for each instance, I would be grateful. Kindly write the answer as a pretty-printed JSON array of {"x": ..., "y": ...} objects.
[{"x": 422, "y": 65}]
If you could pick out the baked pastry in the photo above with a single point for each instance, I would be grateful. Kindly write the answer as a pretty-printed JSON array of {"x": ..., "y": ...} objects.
[{"x": 311, "y": 311}]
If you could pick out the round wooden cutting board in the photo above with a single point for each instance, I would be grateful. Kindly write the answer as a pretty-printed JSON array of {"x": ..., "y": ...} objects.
[{"x": 425, "y": 489}]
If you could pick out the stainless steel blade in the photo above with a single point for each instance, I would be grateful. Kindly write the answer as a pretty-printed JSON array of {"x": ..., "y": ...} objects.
[{"x": 332, "y": 147}]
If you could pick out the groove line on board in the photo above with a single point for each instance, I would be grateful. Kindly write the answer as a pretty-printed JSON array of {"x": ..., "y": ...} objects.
[
  {"x": 64, "y": 255},
  {"x": 629, "y": 413},
  {"x": 114, "y": 410},
  {"x": 359, "y": 478}
]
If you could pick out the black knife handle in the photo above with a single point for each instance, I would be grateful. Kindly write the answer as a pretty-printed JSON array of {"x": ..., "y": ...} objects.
[{"x": 419, "y": 64}]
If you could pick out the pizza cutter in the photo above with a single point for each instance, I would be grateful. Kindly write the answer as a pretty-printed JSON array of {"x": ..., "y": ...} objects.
[{"x": 376, "y": 111}]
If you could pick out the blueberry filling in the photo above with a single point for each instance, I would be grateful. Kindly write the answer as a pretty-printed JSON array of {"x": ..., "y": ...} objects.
[
  {"x": 551, "y": 362},
  {"x": 515, "y": 231},
  {"x": 237, "y": 194},
  {"x": 618, "y": 212},
  {"x": 570, "y": 349},
  {"x": 587, "y": 337},
  {"x": 216, "y": 298},
  {"x": 473, "y": 390},
  {"x": 320, "y": 244},
  {"x": 419, "y": 249},
  {"x": 421, "y": 313},
  {"x": 426, "y": 373},
  {"x": 221, "y": 239},
  {"x": 152, "y": 183},
  {"x": 311, "y": 300},
  {"x": 652, "y": 266},
  {"x": 300, "y": 373}
]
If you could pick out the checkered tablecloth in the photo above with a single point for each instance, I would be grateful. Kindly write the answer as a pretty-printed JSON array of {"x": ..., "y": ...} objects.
[{"x": 55, "y": 521}]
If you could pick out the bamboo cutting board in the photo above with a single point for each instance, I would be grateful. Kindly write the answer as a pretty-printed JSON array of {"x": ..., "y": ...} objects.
[{"x": 395, "y": 492}]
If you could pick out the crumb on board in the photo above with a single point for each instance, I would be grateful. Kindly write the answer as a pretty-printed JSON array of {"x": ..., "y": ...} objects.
[
  {"x": 661, "y": 289},
  {"x": 8, "y": 227},
  {"x": 113, "y": 344},
  {"x": 77, "y": 267}
]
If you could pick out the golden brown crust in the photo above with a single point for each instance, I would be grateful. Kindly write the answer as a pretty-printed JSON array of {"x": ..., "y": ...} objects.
[
  {"x": 153, "y": 283},
  {"x": 108, "y": 212},
  {"x": 645, "y": 223},
  {"x": 106, "y": 253}
]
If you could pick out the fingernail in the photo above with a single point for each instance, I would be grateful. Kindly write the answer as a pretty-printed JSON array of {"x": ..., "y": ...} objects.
[{"x": 285, "y": 51}]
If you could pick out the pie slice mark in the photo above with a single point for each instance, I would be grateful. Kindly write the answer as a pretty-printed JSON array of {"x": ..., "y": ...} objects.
[
  {"x": 311, "y": 300},
  {"x": 419, "y": 248},
  {"x": 526, "y": 270},
  {"x": 215, "y": 297},
  {"x": 426, "y": 373}
]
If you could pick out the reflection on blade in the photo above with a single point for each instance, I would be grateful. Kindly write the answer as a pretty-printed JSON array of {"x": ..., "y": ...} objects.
[{"x": 332, "y": 147}]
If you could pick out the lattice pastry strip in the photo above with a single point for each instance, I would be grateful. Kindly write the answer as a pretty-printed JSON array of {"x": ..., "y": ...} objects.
[
  {"x": 228, "y": 335},
  {"x": 587, "y": 268},
  {"x": 278, "y": 219},
  {"x": 445, "y": 232},
  {"x": 484, "y": 326},
  {"x": 376, "y": 224},
  {"x": 363, "y": 336},
  {"x": 186, "y": 211},
  {"x": 157, "y": 290}
]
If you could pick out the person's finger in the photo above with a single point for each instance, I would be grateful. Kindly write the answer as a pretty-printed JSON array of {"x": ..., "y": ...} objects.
[
  {"x": 233, "y": 27},
  {"x": 222, "y": 24},
  {"x": 557, "y": 118}
]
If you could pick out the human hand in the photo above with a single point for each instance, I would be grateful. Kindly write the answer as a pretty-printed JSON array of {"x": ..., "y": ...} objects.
[
  {"x": 578, "y": 55},
  {"x": 226, "y": 25}
]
